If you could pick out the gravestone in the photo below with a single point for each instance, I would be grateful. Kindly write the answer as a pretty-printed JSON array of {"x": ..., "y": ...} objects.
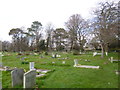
[
  {"x": 75, "y": 62},
  {"x": 53, "y": 56},
  {"x": 31, "y": 65},
  {"x": 111, "y": 58},
  {"x": 95, "y": 53},
  {"x": 29, "y": 79},
  {"x": 63, "y": 62},
  {"x": 17, "y": 77},
  {"x": 0, "y": 85},
  {"x": 106, "y": 53},
  {"x": 58, "y": 55},
  {"x": 1, "y": 64},
  {"x": 22, "y": 58}
]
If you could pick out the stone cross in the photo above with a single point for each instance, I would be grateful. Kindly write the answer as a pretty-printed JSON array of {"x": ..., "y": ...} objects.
[
  {"x": 17, "y": 77},
  {"x": 75, "y": 62},
  {"x": 31, "y": 65},
  {"x": 30, "y": 79}
]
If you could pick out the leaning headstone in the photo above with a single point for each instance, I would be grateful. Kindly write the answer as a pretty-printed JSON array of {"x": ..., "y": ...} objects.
[
  {"x": 29, "y": 79},
  {"x": 31, "y": 64},
  {"x": 75, "y": 62},
  {"x": 95, "y": 53},
  {"x": 17, "y": 77}
]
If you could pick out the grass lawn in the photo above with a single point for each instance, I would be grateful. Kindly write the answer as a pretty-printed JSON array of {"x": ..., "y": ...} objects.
[{"x": 66, "y": 76}]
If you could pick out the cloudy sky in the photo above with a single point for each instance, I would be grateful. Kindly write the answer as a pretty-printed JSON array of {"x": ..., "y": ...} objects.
[{"x": 19, "y": 13}]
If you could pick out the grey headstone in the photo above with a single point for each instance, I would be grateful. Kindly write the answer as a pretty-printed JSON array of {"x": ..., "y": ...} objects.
[
  {"x": 1, "y": 64},
  {"x": 29, "y": 79},
  {"x": 17, "y": 77},
  {"x": 0, "y": 86}
]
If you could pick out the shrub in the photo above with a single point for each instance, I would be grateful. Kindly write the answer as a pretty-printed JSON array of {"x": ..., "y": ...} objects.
[
  {"x": 75, "y": 52},
  {"x": 46, "y": 53}
]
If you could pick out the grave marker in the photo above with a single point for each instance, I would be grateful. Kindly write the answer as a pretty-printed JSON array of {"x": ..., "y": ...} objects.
[
  {"x": 106, "y": 53},
  {"x": 31, "y": 65},
  {"x": 63, "y": 62},
  {"x": 75, "y": 62},
  {"x": 17, "y": 77},
  {"x": 29, "y": 79}
]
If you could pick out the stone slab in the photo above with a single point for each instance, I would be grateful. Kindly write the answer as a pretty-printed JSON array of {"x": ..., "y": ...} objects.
[{"x": 86, "y": 66}]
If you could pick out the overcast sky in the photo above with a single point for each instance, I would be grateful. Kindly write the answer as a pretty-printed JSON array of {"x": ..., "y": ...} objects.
[{"x": 19, "y": 13}]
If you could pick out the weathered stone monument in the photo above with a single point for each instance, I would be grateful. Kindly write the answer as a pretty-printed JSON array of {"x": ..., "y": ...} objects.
[
  {"x": 29, "y": 79},
  {"x": 31, "y": 65},
  {"x": 17, "y": 77}
]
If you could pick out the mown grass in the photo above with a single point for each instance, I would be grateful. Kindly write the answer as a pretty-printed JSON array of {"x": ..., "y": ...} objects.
[{"x": 67, "y": 76}]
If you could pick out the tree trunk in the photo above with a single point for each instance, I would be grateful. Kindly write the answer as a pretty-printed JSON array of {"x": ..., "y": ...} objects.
[
  {"x": 102, "y": 51},
  {"x": 71, "y": 47}
]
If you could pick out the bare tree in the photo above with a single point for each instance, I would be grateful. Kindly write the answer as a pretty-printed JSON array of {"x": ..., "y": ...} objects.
[
  {"x": 49, "y": 30},
  {"x": 76, "y": 26},
  {"x": 105, "y": 24}
]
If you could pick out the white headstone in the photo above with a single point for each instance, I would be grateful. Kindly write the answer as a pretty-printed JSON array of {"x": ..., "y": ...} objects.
[
  {"x": 53, "y": 55},
  {"x": 63, "y": 62},
  {"x": 75, "y": 62},
  {"x": 111, "y": 58},
  {"x": 106, "y": 53},
  {"x": 17, "y": 77},
  {"x": 31, "y": 65},
  {"x": 29, "y": 79},
  {"x": 95, "y": 53}
]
